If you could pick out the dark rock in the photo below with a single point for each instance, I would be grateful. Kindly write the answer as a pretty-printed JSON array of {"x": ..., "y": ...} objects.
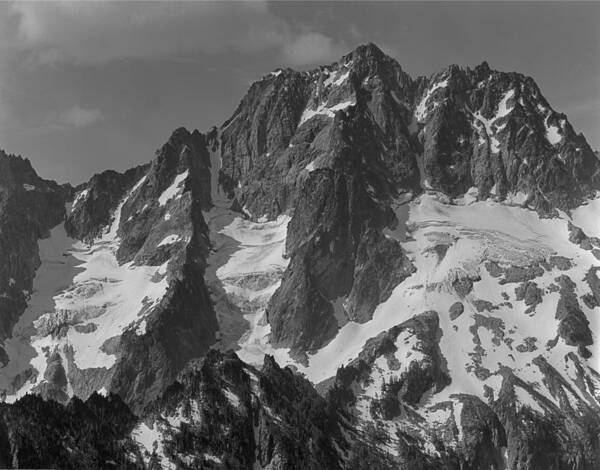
[
  {"x": 35, "y": 433},
  {"x": 29, "y": 207},
  {"x": 420, "y": 377},
  {"x": 456, "y": 310},
  {"x": 462, "y": 286},
  {"x": 592, "y": 280},
  {"x": 336, "y": 245},
  {"x": 483, "y": 305},
  {"x": 574, "y": 326},
  {"x": 530, "y": 293}
]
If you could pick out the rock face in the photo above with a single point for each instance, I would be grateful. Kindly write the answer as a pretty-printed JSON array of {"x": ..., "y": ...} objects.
[
  {"x": 93, "y": 205},
  {"x": 342, "y": 144},
  {"x": 424, "y": 252},
  {"x": 227, "y": 414},
  {"x": 161, "y": 225},
  {"x": 29, "y": 207},
  {"x": 136, "y": 308}
]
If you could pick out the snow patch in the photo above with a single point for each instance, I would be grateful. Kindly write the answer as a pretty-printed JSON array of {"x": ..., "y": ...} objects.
[
  {"x": 457, "y": 407},
  {"x": 552, "y": 133},
  {"x": 80, "y": 197},
  {"x": 525, "y": 399},
  {"x": 174, "y": 190},
  {"x": 169, "y": 240},
  {"x": 323, "y": 109},
  {"x": 421, "y": 110}
]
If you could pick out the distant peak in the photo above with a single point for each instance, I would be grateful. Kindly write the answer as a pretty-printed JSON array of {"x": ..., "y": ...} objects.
[
  {"x": 181, "y": 133},
  {"x": 483, "y": 67},
  {"x": 367, "y": 50}
]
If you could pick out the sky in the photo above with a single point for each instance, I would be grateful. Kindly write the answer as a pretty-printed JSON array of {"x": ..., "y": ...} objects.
[{"x": 88, "y": 86}]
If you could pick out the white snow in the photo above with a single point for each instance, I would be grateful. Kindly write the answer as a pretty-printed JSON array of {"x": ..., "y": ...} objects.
[
  {"x": 29, "y": 187},
  {"x": 169, "y": 240},
  {"x": 55, "y": 271},
  {"x": 525, "y": 399},
  {"x": 174, "y": 190},
  {"x": 457, "y": 409},
  {"x": 111, "y": 296},
  {"x": 336, "y": 78},
  {"x": 476, "y": 231},
  {"x": 262, "y": 247},
  {"x": 232, "y": 398},
  {"x": 503, "y": 109},
  {"x": 323, "y": 109},
  {"x": 421, "y": 110},
  {"x": 80, "y": 197},
  {"x": 146, "y": 436},
  {"x": 408, "y": 350},
  {"x": 587, "y": 217},
  {"x": 260, "y": 255},
  {"x": 518, "y": 198},
  {"x": 150, "y": 439},
  {"x": 552, "y": 133},
  {"x": 490, "y": 127},
  {"x": 310, "y": 167},
  {"x": 212, "y": 458}
]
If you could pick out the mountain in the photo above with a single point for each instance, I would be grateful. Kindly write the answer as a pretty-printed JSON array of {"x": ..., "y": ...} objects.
[{"x": 419, "y": 255}]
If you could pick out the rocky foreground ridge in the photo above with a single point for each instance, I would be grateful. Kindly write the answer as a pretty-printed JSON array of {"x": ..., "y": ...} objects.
[{"x": 422, "y": 252}]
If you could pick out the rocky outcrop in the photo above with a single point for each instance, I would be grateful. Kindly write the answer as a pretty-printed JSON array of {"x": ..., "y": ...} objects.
[
  {"x": 412, "y": 371},
  {"x": 44, "y": 434},
  {"x": 146, "y": 232},
  {"x": 541, "y": 435},
  {"x": 574, "y": 326},
  {"x": 29, "y": 207},
  {"x": 495, "y": 131},
  {"x": 341, "y": 152},
  {"x": 341, "y": 143},
  {"x": 231, "y": 415},
  {"x": 94, "y": 203},
  {"x": 336, "y": 242}
]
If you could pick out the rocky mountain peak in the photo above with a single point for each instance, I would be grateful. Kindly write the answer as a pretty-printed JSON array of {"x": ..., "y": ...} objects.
[{"x": 423, "y": 251}]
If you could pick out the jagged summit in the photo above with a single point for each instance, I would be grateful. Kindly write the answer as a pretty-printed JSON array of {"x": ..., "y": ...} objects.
[
  {"x": 462, "y": 128},
  {"x": 423, "y": 251}
]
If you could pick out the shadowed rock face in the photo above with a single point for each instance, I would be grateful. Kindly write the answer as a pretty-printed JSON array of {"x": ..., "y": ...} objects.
[
  {"x": 458, "y": 129},
  {"x": 146, "y": 220},
  {"x": 246, "y": 417},
  {"x": 336, "y": 243},
  {"x": 341, "y": 143},
  {"x": 29, "y": 207},
  {"x": 344, "y": 152},
  {"x": 91, "y": 212},
  {"x": 167, "y": 201}
]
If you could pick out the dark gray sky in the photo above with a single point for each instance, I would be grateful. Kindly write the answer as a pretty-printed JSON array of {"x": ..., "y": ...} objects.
[{"x": 88, "y": 86}]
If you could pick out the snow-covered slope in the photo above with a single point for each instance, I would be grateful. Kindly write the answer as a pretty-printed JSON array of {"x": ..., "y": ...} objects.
[
  {"x": 425, "y": 252},
  {"x": 93, "y": 319}
]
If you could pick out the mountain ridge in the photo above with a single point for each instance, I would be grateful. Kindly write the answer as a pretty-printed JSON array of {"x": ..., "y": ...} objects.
[{"x": 422, "y": 250}]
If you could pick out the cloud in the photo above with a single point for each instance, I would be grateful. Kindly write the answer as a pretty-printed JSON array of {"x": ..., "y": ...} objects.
[
  {"x": 312, "y": 48},
  {"x": 99, "y": 32},
  {"x": 77, "y": 116}
]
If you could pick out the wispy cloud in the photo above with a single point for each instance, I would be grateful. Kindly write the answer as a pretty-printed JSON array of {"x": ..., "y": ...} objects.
[
  {"x": 77, "y": 116},
  {"x": 99, "y": 32},
  {"x": 312, "y": 48},
  {"x": 74, "y": 117}
]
